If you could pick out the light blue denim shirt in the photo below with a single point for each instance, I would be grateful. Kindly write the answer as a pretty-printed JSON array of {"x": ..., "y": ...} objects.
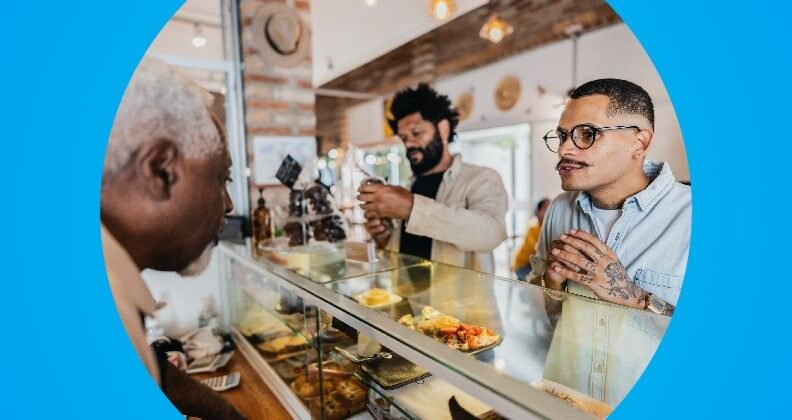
[{"x": 602, "y": 349}]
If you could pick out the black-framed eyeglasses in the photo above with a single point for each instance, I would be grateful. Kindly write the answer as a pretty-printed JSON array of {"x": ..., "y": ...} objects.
[{"x": 583, "y": 135}]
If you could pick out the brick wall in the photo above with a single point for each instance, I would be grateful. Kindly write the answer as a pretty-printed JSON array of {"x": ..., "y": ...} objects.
[{"x": 278, "y": 100}]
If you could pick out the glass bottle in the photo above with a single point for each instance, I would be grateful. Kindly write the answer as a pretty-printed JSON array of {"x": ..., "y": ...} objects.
[{"x": 262, "y": 224}]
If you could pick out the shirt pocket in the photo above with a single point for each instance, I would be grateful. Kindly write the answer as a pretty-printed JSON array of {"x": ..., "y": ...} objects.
[
  {"x": 648, "y": 323},
  {"x": 664, "y": 286}
]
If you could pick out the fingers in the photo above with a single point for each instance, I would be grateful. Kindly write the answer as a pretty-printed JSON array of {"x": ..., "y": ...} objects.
[
  {"x": 372, "y": 207},
  {"x": 591, "y": 239},
  {"x": 550, "y": 273},
  {"x": 370, "y": 188},
  {"x": 376, "y": 230},
  {"x": 551, "y": 257},
  {"x": 369, "y": 215},
  {"x": 366, "y": 197},
  {"x": 575, "y": 260},
  {"x": 571, "y": 275},
  {"x": 586, "y": 248}
]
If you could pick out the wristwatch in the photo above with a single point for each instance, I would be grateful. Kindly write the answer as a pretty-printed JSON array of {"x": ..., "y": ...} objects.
[{"x": 658, "y": 306}]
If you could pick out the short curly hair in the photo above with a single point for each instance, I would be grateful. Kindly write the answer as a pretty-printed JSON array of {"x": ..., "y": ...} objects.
[
  {"x": 625, "y": 97},
  {"x": 425, "y": 100}
]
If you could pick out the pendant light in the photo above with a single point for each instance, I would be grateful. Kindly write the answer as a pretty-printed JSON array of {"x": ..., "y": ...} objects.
[
  {"x": 199, "y": 41},
  {"x": 441, "y": 9},
  {"x": 573, "y": 31},
  {"x": 495, "y": 29}
]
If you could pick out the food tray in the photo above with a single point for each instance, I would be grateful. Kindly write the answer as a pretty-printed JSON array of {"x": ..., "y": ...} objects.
[
  {"x": 350, "y": 352},
  {"x": 281, "y": 357},
  {"x": 393, "y": 373}
]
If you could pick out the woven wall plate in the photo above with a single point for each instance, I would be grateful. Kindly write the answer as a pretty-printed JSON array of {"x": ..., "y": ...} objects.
[
  {"x": 507, "y": 93},
  {"x": 464, "y": 105}
]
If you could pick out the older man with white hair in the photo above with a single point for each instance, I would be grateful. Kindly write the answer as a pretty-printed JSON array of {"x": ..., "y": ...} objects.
[{"x": 163, "y": 202}]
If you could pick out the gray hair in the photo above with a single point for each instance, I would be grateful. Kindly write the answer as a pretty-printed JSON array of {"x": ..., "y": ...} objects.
[{"x": 161, "y": 102}]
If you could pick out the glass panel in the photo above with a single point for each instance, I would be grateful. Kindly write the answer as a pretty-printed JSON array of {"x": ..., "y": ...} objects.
[
  {"x": 584, "y": 351},
  {"x": 349, "y": 389},
  {"x": 346, "y": 262},
  {"x": 278, "y": 325}
]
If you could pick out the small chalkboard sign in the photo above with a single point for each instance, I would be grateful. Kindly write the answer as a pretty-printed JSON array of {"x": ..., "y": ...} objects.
[{"x": 289, "y": 171}]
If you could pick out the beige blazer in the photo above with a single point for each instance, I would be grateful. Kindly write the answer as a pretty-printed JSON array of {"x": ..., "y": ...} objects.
[
  {"x": 466, "y": 221},
  {"x": 132, "y": 298}
]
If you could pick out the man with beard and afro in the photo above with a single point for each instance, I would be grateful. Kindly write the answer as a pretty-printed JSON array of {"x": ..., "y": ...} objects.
[{"x": 453, "y": 212}]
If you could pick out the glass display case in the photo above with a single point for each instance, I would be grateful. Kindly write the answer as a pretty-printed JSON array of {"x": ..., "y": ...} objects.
[{"x": 403, "y": 337}]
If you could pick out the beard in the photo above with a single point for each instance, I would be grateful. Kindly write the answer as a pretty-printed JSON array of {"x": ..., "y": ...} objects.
[
  {"x": 199, "y": 265},
  {"x": 432, "y": 154}
]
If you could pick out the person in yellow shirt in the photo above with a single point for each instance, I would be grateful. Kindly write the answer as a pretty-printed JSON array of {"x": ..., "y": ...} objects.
[{"x": 522, "y": 259}]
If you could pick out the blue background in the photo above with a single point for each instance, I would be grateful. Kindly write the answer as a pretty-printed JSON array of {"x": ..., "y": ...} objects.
[{"x": 65, "y": 66}]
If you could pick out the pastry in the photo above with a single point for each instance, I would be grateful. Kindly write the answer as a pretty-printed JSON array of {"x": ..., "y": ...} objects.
[
  {"x": 349, "y": 391},
  {"x": 334, "y": 408},
  {"x": 297, "y": 233},
  {"x": 306, "y": 387},
  {"x": 374, "y": 297},
  {"x": 281, "y": 344},
  {"x": 330, "y": 229},
  {"x": 317, "y": 197},
  {"x": 296, "y": 203}
]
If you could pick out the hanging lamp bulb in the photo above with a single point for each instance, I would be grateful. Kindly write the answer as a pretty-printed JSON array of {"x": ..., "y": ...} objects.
[
  {"x": 495, "y": 29},
  {"x": 198, "y": 41},
  {"x": 441, "y": 9}
]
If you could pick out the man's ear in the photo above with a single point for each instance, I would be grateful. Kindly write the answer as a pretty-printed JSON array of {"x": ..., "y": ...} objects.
[
  {"x": 642, "y": 142},
  {"x": 157, "y": 168},
  {"x": 445, "y": 128}
]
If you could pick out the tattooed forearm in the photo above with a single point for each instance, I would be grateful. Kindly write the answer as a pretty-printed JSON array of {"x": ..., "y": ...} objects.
[{"x": 619, "y": 284}]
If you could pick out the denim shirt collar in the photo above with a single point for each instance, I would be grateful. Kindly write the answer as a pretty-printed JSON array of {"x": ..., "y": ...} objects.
[{"x": 661, "y": 181}]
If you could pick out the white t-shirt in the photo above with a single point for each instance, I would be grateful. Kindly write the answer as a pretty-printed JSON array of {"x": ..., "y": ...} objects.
[{"x": 605, "y": 220}]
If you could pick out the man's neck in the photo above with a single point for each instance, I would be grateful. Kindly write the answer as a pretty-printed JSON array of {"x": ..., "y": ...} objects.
[
  {"x": 442, "y": 166},
  {"x": 612, "y": 196}
]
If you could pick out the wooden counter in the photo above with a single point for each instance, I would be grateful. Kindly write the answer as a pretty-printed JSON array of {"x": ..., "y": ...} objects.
[{"x": 252, "y": 397}]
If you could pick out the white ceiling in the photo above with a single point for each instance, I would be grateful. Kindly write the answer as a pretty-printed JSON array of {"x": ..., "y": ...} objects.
[
  {"x": 349, "y": 33},
  {"x": 174, "y": 42}
]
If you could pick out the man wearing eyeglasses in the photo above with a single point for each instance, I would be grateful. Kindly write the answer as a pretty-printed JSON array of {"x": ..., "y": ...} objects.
[{"x": 620, "y": 233}]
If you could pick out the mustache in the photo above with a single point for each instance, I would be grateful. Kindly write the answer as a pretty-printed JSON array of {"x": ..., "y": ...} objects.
[
  {"x": 567, "y": 161},
  {"x": 414, "y": 149}
]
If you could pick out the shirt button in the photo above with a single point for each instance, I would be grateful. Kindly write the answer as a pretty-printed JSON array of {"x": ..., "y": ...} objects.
[
  {"x": 602, "y": 322},
  {"x": 599, "y": 368}
]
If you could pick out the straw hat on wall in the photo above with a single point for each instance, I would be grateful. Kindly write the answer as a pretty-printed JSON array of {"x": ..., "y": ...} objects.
[{"x": 280, "y": 35}]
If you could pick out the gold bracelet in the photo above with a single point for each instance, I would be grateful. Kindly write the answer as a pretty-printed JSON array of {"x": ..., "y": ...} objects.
[{"x": 543, "y": 282}]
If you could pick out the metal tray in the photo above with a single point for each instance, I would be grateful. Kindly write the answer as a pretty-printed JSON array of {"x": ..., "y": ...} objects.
[
  {"x": 350, "y": 352},
  {"x": 394, "y": 372}
]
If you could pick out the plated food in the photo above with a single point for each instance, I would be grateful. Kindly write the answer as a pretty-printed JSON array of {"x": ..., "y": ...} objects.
[
  {"x": 283, "y": 344},
  {"x": 377, "y": 297},
  {"x": 450, "y": 331},
  {"x": 257, "y": 322}
]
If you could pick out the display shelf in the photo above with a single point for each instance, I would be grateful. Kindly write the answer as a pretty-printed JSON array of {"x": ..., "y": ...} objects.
[
  {"x": 524, "y": 317},
  {"x": 291, "y": 402}
]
